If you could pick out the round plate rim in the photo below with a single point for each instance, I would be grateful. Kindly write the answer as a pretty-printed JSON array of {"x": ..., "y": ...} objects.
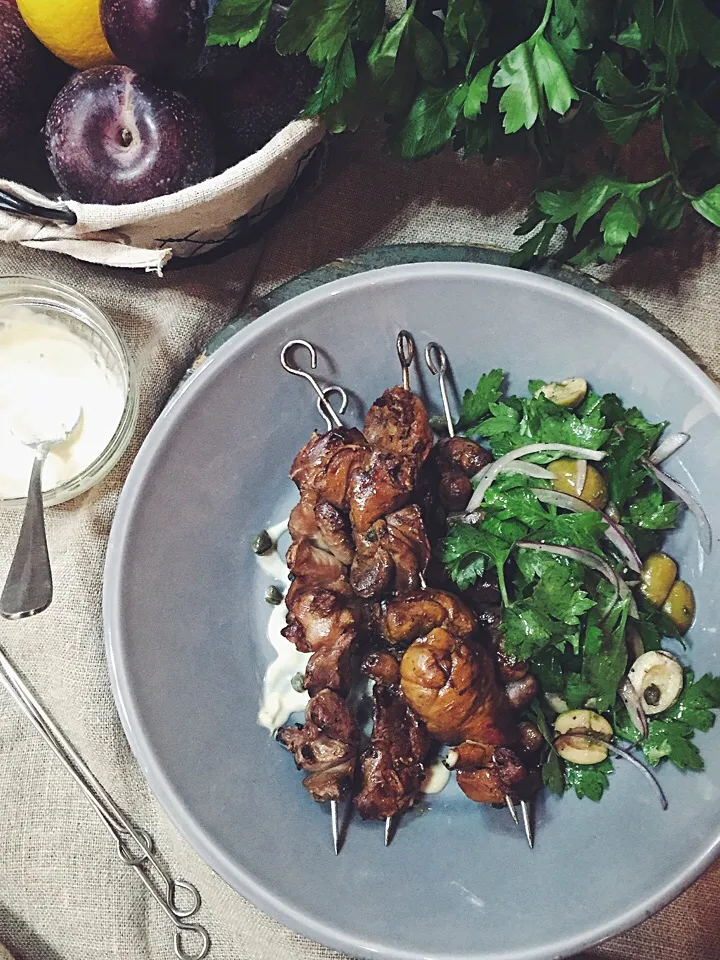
[{"x": 140, "y": 744}]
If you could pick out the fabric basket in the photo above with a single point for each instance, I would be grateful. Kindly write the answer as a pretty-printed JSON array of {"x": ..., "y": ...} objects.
[{"x": 190, "y": 223}]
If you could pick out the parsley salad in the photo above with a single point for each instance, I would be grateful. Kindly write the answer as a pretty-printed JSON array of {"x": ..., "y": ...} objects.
[{"x": 566, "y": 527}]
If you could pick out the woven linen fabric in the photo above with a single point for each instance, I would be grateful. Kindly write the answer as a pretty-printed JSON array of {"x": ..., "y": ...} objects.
[{"x": 64, "y": 895}]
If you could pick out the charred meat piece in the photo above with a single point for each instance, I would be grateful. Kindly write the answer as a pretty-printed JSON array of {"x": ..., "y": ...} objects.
[
  {"x": 398, "y": 423},
  {"x": 502, "y": 776},
  {"x": 329, "y": 666},
  {"x": 308, "y": 562},
  {"x": 531, "y": 740},
  {"x": 310, "y": 462},
  {"x": 520, "y": 693},
  {"x": 333, "y": 484},
  {"x": 391, "y": 557},
  {"x": 407, "y": 618},
  {"x": 392, "y": 767},
  {"x": 326, "y": 746},
  {"x": 382, "y": 485},
  {"x": 485, "y": 602},
  {"x": 323, "y": 615},
  {"x": 323, "y": 526},
  {"x": 456, "y": 461},
  {"x": 462, "y": 455},
  {"x": 452, "y": 688},
  {"x": 382, "y": 666},
  {"x": 454, "y": 490},
  {"x": 335, "y": 532}
]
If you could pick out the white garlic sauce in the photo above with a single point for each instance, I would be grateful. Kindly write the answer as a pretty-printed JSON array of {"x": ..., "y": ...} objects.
[{"x": 279, "y": 700}]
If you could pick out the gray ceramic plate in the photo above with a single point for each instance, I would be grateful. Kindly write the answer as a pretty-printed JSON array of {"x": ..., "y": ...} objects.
[{"x": 185, "y": 620}]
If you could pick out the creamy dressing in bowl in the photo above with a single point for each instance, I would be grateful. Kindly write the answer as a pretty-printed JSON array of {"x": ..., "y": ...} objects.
[{"x": 42, "y": 364}]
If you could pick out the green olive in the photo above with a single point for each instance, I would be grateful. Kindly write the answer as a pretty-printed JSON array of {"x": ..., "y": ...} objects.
[
  {"x": 566, "y": 393},
  {"x": 680, "y": 605},
  {"x": 658, "y": 575},
  {"x": 594, "y": 489}
]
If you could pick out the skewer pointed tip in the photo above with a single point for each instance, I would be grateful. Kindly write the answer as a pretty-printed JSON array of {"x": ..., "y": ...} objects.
[
  {"x": 335, "y": 826},
  {"x": 527, "y": 821},
  {"x": 389, "y": 830},
  {"x": 511, "y": 808}
]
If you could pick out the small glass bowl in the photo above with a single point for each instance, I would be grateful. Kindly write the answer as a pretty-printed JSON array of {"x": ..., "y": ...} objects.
[{"x": 87, "y": 321}]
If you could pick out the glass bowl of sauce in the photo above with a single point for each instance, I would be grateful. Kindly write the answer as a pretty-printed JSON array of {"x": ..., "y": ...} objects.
[{"x": 56, "y": 344}]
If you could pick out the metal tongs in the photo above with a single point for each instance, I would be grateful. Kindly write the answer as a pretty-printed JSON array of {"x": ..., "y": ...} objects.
[{"x": 134, "y": 845}]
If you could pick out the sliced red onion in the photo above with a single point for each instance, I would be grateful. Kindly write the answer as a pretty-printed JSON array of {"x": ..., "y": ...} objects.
[
  {"x": 580, "y": 476},
  {"x": 668, "y": 447},
  {"x": 615, "y": 533},
  {"x": 704, "y": 531},
  {"x": 634, "y": 644},
  {"x": 585, "y": 557},
  {"x": 529, "y": 470},
  {"x": 486, "y": 477},
  {"x": 626, "y": 755},
  {"x": 629, "y": 697}
]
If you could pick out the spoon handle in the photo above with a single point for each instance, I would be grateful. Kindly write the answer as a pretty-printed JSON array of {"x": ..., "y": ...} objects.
[{"x": 29, "y": 587}]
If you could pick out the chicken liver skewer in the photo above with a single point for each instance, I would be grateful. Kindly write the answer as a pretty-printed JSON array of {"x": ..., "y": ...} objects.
[
  {"x": 436, "y": 360},
  {"x": 327, "y": 745}
]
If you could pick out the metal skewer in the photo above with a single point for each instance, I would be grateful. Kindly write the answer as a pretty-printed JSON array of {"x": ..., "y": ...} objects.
[
  {"x": 124, "y": 832},
  {"x": 526, "y": 808},
  {"x": 405, "y": 345},
  {"x": 436, "y": 359},
  {"x": 406, "y": 355},
  {"x": 332, "y": 420}
]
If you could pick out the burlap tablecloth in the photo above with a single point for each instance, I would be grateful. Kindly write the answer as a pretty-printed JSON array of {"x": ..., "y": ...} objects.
[{"x": 63, "y": 893}]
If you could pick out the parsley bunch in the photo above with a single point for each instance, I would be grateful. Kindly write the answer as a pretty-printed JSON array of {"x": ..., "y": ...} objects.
[
  {"x": 561, "y": 616},
  {"x": 548, "y": 76}
]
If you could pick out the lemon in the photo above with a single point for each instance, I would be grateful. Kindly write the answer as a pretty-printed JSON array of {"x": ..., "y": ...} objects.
[{"x": 70, "y": 28}]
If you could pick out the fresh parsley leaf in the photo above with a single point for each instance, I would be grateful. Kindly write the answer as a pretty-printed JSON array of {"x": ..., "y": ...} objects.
[
  {"x": 527, "y": 630},
  {"x": 697, "y": 702},
  {"x": 672, "y": 739},
  {"x": 428, "y": 51},
  {"x": 604, "y": 655},
  {"x": 476, "y": 403},
  {"x": 532, "y": 76},
  {"x": 320, "y": 27},
  {"x": 237, "y": 22},
  {"x": 560, "y": 595},
  {"x": 708, "y": 205},
  {"x": 466, "y": 550},
  {"x": 478, "y": 92},
  {"x": 553, "y": 774},
  {"x": 651, "y": 513},
  {"x": 337, "y": 77},
  {"x": 588, "y": 781},
  {"x": 622, "y": 221},
  {"x": 430, "y": 122},
  {"x": 463, "y": 29},
  {"x": 577, "y": 691}
]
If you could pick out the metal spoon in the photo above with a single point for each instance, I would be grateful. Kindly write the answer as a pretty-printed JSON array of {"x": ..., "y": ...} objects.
[{"x": 29, "y": 587}]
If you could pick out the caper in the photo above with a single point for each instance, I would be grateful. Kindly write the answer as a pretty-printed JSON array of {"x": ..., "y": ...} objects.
[
  {"x": 298, "y": 683},
  {"x": 680, "y": 606},
  {"x": 658, "y": 575},
  {"x": 651, "y": 694},
  {"x": 273, "y": 596},
  {"x": 263, "y": 543},
  {"x": 594, "y": 491}
]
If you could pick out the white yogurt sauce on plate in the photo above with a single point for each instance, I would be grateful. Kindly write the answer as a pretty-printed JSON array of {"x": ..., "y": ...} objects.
[{"x": 44, "y": 363}]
